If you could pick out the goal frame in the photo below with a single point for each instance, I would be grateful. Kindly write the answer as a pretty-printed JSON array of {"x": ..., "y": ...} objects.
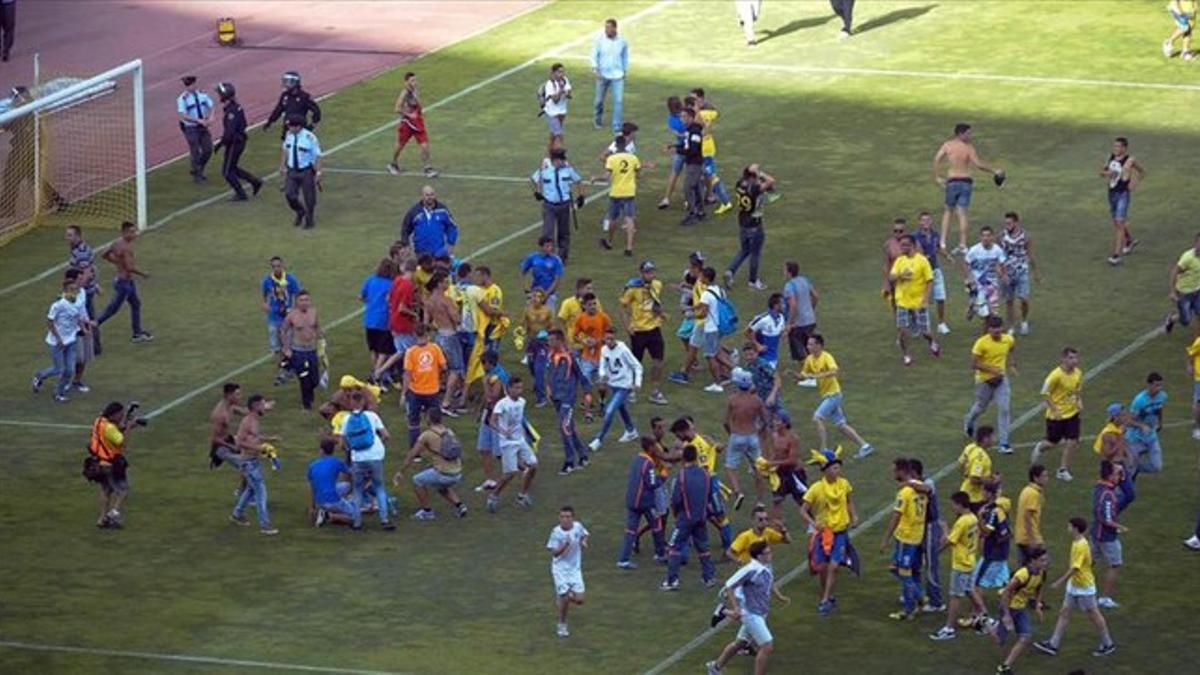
[{"x": 76, "y": 94}]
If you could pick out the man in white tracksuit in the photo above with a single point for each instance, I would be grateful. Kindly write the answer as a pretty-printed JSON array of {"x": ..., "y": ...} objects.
[
  {"x": 623, "y": 373},
  {"x": 748, "y": 12}
]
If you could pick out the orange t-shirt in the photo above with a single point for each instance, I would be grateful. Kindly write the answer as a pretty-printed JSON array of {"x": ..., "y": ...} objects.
[
  {"x": 424, "y": 366},
  {"x": 593, "y": 327}
]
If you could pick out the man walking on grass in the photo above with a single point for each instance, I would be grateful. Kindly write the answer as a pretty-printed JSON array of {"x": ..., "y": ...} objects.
[
  {"x": 251, "y": 443},
  {"x": 753, "y": 585},
  {"x": 610, "y": 65},
  {"x": 300, "y": 338},
  {"x": 120, "y": 254}
]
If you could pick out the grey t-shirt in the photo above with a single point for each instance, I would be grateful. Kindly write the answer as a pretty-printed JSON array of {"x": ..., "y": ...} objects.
[{"x": 800, "y": 289}]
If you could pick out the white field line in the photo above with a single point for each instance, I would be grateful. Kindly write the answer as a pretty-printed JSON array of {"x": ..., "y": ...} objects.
[
  {"x": 882, "y": 513},
  {"x": 921, "y": 74},
  {"x": 43, "y": 425},
  {"x": 186, "y": 658},
  {"x": 418, "y": 174},
  {"x": 633, "y": 18}
]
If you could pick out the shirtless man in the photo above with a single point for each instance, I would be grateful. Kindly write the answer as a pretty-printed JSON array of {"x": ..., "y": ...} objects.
[
  {"x": 959, "y": 153},
  {"x": 412, "y": 125},
  {"x": 120, "y": 254},
  {"x": 249, "y": 441},
  {"x": 891, "y": 251},
  {"x": 300, "y": 333},
  {"x": 444, "y": 315},
  {"x": 744, "y": 416},
  {"x": 224, "y": 448},
  {"x": 785, "y": 459}
]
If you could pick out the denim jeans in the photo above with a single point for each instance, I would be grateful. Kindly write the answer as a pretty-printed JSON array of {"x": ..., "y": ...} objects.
[
  {"x": 539, "y": 359},
  {"x": 124, "y": 290},
  {"x": 256, "y": 489},
  {"x": 572, "y": 446},
  {"x": 616, "y": 403},
  {"x": 750, "y": 241},
  {"x": 373, "y": 470},
  {"x": 618, "y": 101},
  {"x": 62, "y": 358},
  {"x": 984, "y": 395}
]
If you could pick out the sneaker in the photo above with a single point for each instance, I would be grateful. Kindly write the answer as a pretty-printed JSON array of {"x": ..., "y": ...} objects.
[
  {"x": 597, "y": 125},
  {"x": 1045, "y": 647},
  {"x": 680, "y": 377},
  {"x": 36, "y": 384},
  {"x": 566, "y": 469},
  {"x": 843, "y": 35},
  {"x": 81, "y": 387},
  {"x": 1064, "y": 475},
  {"x": 738, "y": 499},
  {"x": 928, "y": 608},
  {"x": 594, "y": 446},
  {"x": 59, "y": 398},
  {"x": 424, "y": 514},
  {"x": 907, "y": 360},
  {"x": 626, "y": 565},
  {"x": 711, "y": 668},
  {"x": 715, "y": 388},
  {"x": 239, "y": 520},
  {"x": 709, "y": 583},
  {"x": 1023, "y": 329},
  {"x": 935, "y": 348},
  {"x": 583, "y": 463},
  {"x": 944, "y": 633},
  {"x": 824, "y": 607},
  {"x": 492, "y": 503},
  {"x": 1107, "y": 603},
  {"x": 808, "y": 382},
  {"x": 728, "y": 276},
  {"x": 1003, "y": 670},
  {"x": 664, "y": 203},
  {"x": 1114, "y": 259},
  {"x": 393, "y": 168},
  {"x": 1188, "y": 56},
  {"x": 669, "y": 585},
  {"x": 389, "y": 525},
  {"x": 660, "y": 560},
  {"x": 460, "y": 510},
  {"x": 943, "y": 329},
  {"x": 562, "y": 630},
  {"x": 486, "y": 485},
  {"x": 1168, "y": 323},
  {"x": 320, "y": 519},
  {"x": 865, "y": 451},
  {"x": 144, "y": 336},
  {"x": 1196, "y": 433},
  {"x": 1130, "y": 246},
  {"x": 1105, "y": 650},
  {"x": 524, "y": 499},
  {"x": 631, "y": 435},
  {"x": 756, "y": 285},
  {"x": 657, "y": 398},
  {"x": 1192, "y": 543},
  {"x": 900, "y": 616},
  {"x": 449, "y": 412},
  {"x": 1005, "y": 450},
  {"x": 723, "y": 209},
  {"x": 269, "y": 531},
  {"x": 431, "y": 172},
  {"x": 1167, "y": 49},
  {"x": 604, "y": 244}
]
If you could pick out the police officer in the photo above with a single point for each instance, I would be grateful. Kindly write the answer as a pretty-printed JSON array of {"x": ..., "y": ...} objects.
[
  {"x": 555, "y": 184},
  {"x": 233, "y": 138},
  {"x": 195, "y": 113},
  {"x": 294, "y": 101},
  {"x": 8, "y": 27},
  {"x": 300, "y": 161}
]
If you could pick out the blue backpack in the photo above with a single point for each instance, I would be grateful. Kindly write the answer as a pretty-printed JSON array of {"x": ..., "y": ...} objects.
[
  {"x": 358, "y": 431},
  {"x": 727, "y": 318}
]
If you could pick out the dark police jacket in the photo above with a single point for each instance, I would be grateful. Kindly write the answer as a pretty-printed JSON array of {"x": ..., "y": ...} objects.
[{"x": 296, "y": 102}]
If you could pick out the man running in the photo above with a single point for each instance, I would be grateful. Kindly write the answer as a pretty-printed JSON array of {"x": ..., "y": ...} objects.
[
  {"x": 1185, "y": 289},
  {"x": 912, "y": 279},
  {"x": 829, "y": 511},
  {"x": 508, "y": 421},
  {"x": 411, "y": 126},
  {"x": 745, "y": 418},
  {"x": 566, "y": 544},
  {"x": 120, "y": 254},
  {"x": 753, "y": 585},
  {"x": 1124, "y": 174},
  {"x": 642, "y": 317},
  {"x": 821, "y": 366},
  {"x": 1063, "y": 394},
  {"x": 1019, "y": 266},
  {"x": 960, "y": 155},
  {"x": 990, "y": 363}
]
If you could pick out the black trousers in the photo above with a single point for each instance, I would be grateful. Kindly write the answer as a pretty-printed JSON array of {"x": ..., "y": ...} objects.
[
  {"x": 302, "y": 181},
  {"x": 556, "y": 224},
  {"x": 200, "y": 146},
  {"x": 844, "y": 9},
  {"x": 8, "y": 28},
  {"x": 308, "y": 374},
  {"x": 234, "y": 174}
]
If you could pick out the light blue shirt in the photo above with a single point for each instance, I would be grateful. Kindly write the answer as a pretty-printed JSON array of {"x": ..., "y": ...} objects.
[
  {"x": 556, "y": 181},
  {"x": 1146, "y": 409},
  {"x": 610, "y": 56},
  {"x": 193, "y": 104},
  {"x": 301, "y": 149}
]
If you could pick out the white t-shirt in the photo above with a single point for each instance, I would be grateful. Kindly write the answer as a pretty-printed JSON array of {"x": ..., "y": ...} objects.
[
  {"x": 985, "y": 263},
  {"x": 66, "y": 316},
  {"x": 509, "y": 416},
  {"x": 551, "y": 88},
  {"x": 571, "y": 561},
  {"x": 377, "y": 449},
  {"x": 712, "y": 322}
]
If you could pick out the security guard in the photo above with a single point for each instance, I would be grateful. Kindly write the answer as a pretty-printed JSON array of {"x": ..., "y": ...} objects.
[
  {"x": 294, "y": 101},
  {"x": 555, "y": 184},
  {"x": 195, "y": 113},
  {"x": 300, "y": 161},
  {"x": 233, "y": 137}
]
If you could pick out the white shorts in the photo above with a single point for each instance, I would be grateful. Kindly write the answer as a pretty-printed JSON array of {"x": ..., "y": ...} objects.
[
  {"x": 567, "y": 582},
  {"x": 754, "y": 629},
  {"x": 939, "y": 286},
  {"x": 514, "y": 454}
]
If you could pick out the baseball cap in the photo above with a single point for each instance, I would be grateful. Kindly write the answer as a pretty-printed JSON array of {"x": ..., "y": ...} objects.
[
  {"x": 1115, "y": 409},
  {"x": 647, "y": 265},
  {"x": 742, "y": 379}
]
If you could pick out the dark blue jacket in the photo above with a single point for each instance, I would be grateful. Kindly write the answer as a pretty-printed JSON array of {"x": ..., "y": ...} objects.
[
  {"x": 690, "y": 499},
  {"x": 564, "y": 376},
  {"x": 639, "y": 493}
]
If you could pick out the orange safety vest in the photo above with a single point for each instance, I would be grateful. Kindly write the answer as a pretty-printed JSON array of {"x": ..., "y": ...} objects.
[{"x": 100, "y": 447}]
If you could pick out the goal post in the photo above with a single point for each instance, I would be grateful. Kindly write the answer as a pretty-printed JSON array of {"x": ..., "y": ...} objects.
[{"x": 73, "y": 150}]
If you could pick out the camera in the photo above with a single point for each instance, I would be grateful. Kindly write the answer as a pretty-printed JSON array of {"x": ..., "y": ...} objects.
[{"x": 131, "y": 417}]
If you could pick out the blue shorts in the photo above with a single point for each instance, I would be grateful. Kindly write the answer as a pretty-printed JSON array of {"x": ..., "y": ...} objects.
[
  {"x": 1118, "y": 204},
  {"x": 906, "y": 558},
  {"x": 686, "y": 329},
  {"x": 1188, "y": 306},
  {"x": 1196, "y": 392},
  {"x": 590, "y": 371},
  {"x": 991, "y": 573},
  {"x": 677, "y": 164},
  {"x": 1183, "y": 21},
  {"x": 432, "y": 478},
  {"x": 619, "y": 207},
  {"x": 1017, "y": 286},
  {"x": 402, "y": 341},
  {"x": 1022, "y": 625},
  {"x": 830, "y": 409},
  {"x": 939, "y": 285},
  {"x": 486, "y": 440},
  {"x": 710, "y": 166},
  {"x": 452, "y": 347},
  {"x": 837, "y": 552},
  {"x": 343, "y": 506},
  {"x": 754, "y": 629},
  {"x": 958, "y": 192},
  {"x": 273, "y": 335},
  {"x": 742, "y": 446}
]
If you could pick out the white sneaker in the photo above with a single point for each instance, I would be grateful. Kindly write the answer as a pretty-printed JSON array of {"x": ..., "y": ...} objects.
[
  {"x": 943, "y": 329},
  {"x": 711, "y": 668},
  {"x": 1064, "y": 475},
  {"x": 1024, "y": 329},
  {"x": 864, "y": 451},
  {"x": 944, "y": 633},
  {"x": 1196, "y": 433},
  {"x": 808, "y": 382},
  {"x": 563, "y": 631},
  {"x": 631, "y": 435},
  {"x": 907, "y": 360},
  {"x": 1005, "y": 450},
  {"x": 715, "y": 388},
  {"x": 605, "y": 225},
  {"x": 1168, "y": 50},
  {"x": 1036, "y": 453},
  {"x": 843, "y": 35},
  {"x": 1107, "y": 603},
  {"x": 488, "y": 484},
  {"x": 1188, "y": 56},
  {"x": 594, "y": 445},
  {"x": 1192, "y": 542},
  {"x": 757, "y": 285}
]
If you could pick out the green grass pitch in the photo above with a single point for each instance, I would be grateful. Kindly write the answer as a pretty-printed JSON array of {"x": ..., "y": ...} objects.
[{"x": 851, "y": 147}]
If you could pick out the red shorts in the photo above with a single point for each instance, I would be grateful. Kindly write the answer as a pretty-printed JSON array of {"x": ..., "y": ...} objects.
[{"x": 408, "y": 129}]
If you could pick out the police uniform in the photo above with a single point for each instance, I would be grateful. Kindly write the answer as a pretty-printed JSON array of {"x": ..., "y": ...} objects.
[
  {"x": 8, "y": 27},
  {"x": 301, "y": 151},
  {"x": 233, "y": 138},
  {"x": 554, "y": 184},
  {"x": 294, "y": 102},
  {"x": 195, "y": 105}
]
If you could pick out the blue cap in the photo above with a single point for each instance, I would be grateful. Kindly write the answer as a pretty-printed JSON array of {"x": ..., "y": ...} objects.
[{"x": 1115, "y": 409}]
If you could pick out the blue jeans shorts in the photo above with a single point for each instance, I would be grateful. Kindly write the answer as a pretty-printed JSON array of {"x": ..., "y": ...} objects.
[
  {"x": 1118, "y": 205},
  {"x": 1022, "y": 626},
  {"x": 958, "y": 192},
  {"x": 432, "y": 478},
  {"x": 830, "y": 409},
  {"x": 742, "y": 447},
  {"x": 1188, "y": 306},
  {"x": 621, "y": 207}
]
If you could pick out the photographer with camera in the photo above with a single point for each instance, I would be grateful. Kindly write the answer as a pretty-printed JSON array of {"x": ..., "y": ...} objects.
[{"x": 106, "y": 464}]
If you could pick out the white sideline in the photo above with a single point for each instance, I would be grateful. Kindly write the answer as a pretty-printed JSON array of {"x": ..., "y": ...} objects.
[
  {"x": 186, "y": 658},
  {"x": 879, "y": 515},
  {"x": 653, "y": 9},
  {"x": 418, "y": 174},
  {"x": 924, "y": 74}
]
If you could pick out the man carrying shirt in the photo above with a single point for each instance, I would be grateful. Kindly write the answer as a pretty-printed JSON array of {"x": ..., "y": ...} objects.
[{"x": 829, "y": 511}]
